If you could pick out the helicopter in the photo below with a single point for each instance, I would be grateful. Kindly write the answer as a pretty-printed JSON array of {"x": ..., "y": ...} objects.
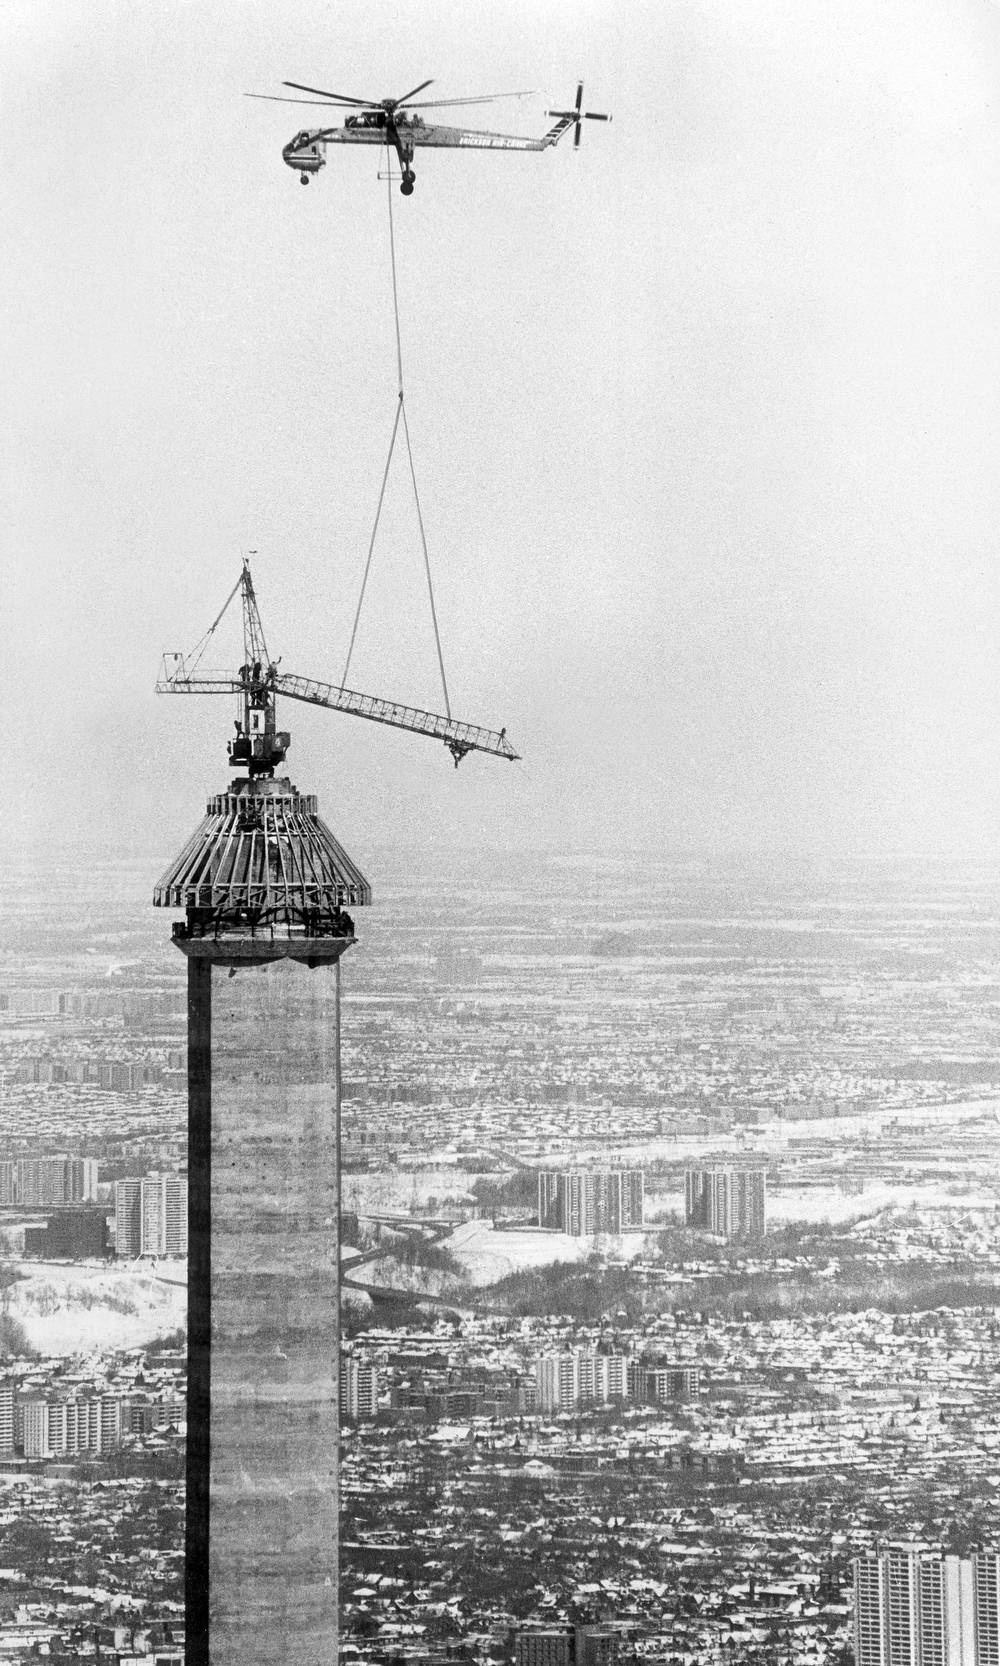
[{"x": 397, "y": 122}]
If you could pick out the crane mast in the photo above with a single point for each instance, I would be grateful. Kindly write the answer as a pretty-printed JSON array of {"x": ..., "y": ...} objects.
[{"x": 259, "y": 744}]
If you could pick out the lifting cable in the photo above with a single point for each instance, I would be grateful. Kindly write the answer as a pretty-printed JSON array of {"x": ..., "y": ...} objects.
[{"x": 400, "y": 414}]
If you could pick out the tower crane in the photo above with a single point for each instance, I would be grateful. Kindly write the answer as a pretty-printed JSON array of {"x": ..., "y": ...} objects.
[{"x": 259, "y": 744}]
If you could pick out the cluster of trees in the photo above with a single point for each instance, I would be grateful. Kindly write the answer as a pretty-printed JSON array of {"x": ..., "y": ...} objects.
[
  {"x": 413, "y": 1249},
  {"x": 13, "y": 1336},
  {"x": 498, "y": 1192},
  {"x": 14, "y": 1339},
  {"x": 170, "y": 1342},
  {"x": 581, "y": 1290},
  {"x": 585, "y": 1291}
]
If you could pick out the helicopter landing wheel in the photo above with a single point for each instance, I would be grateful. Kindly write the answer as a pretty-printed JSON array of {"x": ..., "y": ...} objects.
[
  {"x": 407, "y": 185},
  {"x": 303, "y": 179}
]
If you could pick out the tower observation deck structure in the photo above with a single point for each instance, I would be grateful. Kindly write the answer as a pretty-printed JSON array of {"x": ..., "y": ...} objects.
[{"x": 266, "y": 892}]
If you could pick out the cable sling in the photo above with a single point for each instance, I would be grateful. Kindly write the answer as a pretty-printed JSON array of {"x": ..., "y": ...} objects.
[{"x": 400, "y": 412}]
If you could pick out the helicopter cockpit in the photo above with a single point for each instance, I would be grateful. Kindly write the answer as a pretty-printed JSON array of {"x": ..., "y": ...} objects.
[{"x": 304, "y": 153}]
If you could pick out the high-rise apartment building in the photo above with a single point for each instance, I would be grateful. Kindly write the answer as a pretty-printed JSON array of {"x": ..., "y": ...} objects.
[
  {"x": 128, "y": 1218},
  {"x": 959, "y": 1597},
  {"x": 658, "y": 1385},
  {"x": 587, "y": 1202},
  {"x": 359, "y": 1386},
  {"x": 41, "y": 1180},
  {"x": 35, "y": 1427},
  {"x": 6, "y": 1419},
  {"x": 594, "y": 1645},
  {"x": 81, "y": 1180},
  {"x": 579, "y": 1378},
  {"x": 164, "y": 1214},
  {"x": 62, "y": 1430},
  {"x": 582, "y": 1645},
  {"x": 60, "y": 1426},
  {"x": 151, "y": 1215},
  {"x": 729, "y": 1201},
  {"x": 986, "y": 1601},
  {"x": 548, "y": 1199},
  {"x": 152, "y": 1231},
  {"x": 140, "y": 1416},
  {"x": 913, "y": 1607},
  {"x": 900, "y": 1617},
  {"x": 544, "y": 1646},
  {"x": 869, "y": 1606}
]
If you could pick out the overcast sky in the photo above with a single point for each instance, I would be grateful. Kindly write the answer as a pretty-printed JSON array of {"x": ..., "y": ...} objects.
[{"x": 706, "y": 416}]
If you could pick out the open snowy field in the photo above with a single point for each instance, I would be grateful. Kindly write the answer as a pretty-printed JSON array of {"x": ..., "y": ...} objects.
[
  {"x": 814, "y": 1205},
  {"x": 487, "y": 1255},
  {"x": 73, "y": 1309},
  {"x": 397, "y": 1191}
]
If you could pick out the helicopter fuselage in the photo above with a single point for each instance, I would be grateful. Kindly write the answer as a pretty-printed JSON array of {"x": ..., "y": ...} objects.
[
  {"x": 404, "y": 132},
  {"x": 306, "y": 153}
]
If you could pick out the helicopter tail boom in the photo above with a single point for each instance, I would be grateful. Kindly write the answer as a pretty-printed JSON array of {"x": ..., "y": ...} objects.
[{"x": 554, "y": 134}]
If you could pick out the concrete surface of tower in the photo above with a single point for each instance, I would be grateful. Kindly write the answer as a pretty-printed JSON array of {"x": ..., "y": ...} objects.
[{"x": 265, "y": 889}]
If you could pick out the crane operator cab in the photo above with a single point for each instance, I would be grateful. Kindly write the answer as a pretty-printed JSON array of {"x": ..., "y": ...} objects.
[
  {"x": 259, "y": 745},
  {"x": 305, "y": 153}
]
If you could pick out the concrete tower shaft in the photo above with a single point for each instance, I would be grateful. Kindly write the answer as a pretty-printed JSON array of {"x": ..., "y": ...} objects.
[{"x": 264, "y": 885}]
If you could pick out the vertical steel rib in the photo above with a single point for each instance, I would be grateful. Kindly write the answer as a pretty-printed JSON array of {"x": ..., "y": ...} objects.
[{"x": 286, "y": 863}]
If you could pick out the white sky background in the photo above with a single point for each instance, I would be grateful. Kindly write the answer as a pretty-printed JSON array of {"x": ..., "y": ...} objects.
[{"x": 706, "y": 416}]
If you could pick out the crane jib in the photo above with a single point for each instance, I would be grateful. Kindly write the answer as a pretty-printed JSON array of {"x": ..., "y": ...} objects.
[
  {"x": 468, "y": 735},
  {"x": 460, "y": 737}
]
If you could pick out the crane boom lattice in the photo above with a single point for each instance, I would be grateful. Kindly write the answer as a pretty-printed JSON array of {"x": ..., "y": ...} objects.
[
  {"x": 459, "y": 737},
  {"x": 259, "y": 743}
]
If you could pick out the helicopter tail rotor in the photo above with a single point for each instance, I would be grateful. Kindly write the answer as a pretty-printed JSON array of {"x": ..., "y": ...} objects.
[{"x": 578, "y": 115}]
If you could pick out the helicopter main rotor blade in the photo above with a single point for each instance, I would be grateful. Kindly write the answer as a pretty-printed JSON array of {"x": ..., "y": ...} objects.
[
  {"x": 411, "y": 94},
  {"x": 451, "y": 103},
  {"x": 593, "y": 115},
  {"x": 337, "y": 98},
  {"x": 276, "y": 98}
]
